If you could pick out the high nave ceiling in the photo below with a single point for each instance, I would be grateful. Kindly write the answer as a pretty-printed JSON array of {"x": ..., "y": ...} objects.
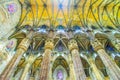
[
  {"x": 97, "y": 14},
  {"x": 82, "y": 20},
  {"x": 101, "y": 16},
  {"x": 67, "y": 14}
]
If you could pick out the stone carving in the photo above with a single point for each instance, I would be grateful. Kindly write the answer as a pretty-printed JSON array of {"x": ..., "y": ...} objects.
[
  {"x": 96, "y": 45},
  {"x": 49, "y": 44},
  {"x": 72, "y": 44}
]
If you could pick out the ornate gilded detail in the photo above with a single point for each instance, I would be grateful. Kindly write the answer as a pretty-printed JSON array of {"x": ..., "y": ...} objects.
[
  {"x": 24, "y": 44},
  {"x": 45, "y": 65},
  {"x": 78, "y": 67},
  {"x": 26, "y": 41},
  {"x": 72, "y": 44},
  {"x": 96, "y": 45},
  {"x": 49, "y": 44}
]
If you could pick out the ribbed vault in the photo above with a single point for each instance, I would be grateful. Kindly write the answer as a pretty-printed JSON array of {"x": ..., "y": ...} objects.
[{"x": 97, "y": 14}]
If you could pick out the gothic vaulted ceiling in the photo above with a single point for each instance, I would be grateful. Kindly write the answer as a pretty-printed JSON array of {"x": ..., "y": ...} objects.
[{"x": 85, "y": 13}]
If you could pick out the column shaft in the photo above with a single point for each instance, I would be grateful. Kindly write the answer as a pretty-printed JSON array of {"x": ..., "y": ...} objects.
[
  {"x": 11, "y": 65},
  {"x": 72, "y": 72},
  {"x": 79, "y": 70},
  {"x": 95, "y": 70},
  {"x": 3, "y": 56},
  {"x": 16, "y": 58},
  {"x": 32, "y": 78},
  {"x": 50, "y": 72},
  {"x": 27, "y": 67},
  {"x": 78, "y": 67},
  {"x": 37, "y": 75},
  {"x": 45, "y": 65},
  {"x": 112, "y": 69}
]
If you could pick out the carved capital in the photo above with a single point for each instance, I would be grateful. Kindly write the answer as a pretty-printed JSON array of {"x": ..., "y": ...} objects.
[
  {"x": 26, "y": 41},
  {"x": 24, "y": 44},
  {"x": 72, "y": 44},
  {"x": 49, "y": 44},
  {"x": 96, "y": 45}
]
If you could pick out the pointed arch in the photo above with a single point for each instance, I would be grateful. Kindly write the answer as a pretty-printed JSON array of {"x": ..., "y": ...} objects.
[
  {"x": 60, "y": 61},
  {"x": 86, "y": 66},
  {"x": 101, "y": 66}
]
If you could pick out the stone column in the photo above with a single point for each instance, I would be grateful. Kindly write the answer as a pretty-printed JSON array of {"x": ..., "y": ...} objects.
[
  {"x": 36, "y": 74},
  {"x": 112, "y": 69},
  {"x": 78, "y": 67},
  {"x": 3, "y": 52},
  {"x": 32, "y": 78},
  {"x": 72, "y": 72},
  {"x": 50, "y": 71},
  {"x": 27, "y": 67},
  {"x": 96, "y": 72},
  {"x": 45, "y": 65},
  {"x": 3, "y": 55},
  {"x": 23, "y": 46}
]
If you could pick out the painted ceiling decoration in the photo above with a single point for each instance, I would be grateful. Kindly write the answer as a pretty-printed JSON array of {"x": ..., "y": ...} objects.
[
  {"x": 10, "y": 12},
  {"x": 68, "y": 28},
  {"x": 93, "y": 14}
]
